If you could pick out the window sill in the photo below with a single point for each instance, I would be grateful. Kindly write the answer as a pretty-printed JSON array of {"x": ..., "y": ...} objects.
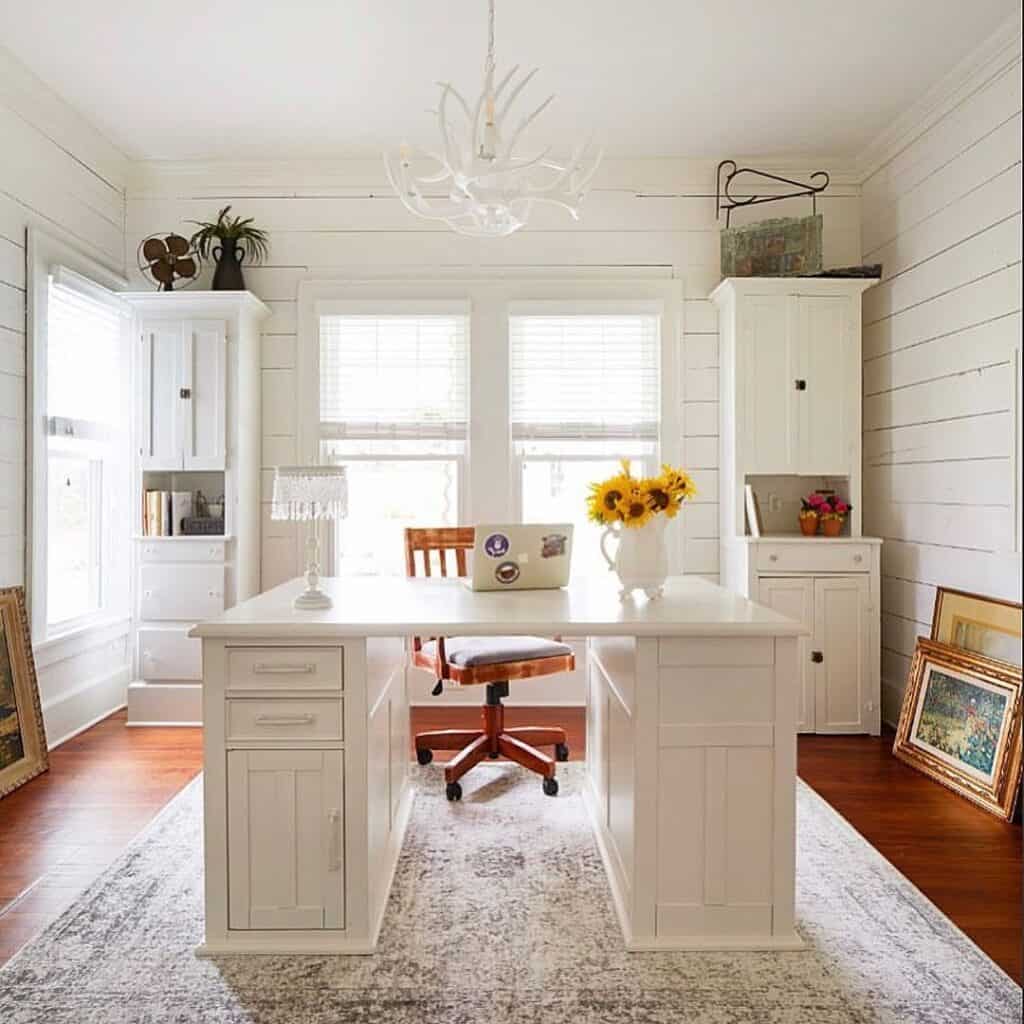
[{"x": 78, "y": 640}]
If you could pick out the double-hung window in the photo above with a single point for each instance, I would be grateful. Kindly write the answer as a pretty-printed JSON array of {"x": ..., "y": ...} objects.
[
  {"x": 584, "y": 392},
  {"x": 82, "y": 392},
  {"x": 393, "y": 410}
]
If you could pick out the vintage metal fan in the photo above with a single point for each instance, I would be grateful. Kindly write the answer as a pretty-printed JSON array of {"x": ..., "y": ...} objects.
[{"x": 165, "y": 259}]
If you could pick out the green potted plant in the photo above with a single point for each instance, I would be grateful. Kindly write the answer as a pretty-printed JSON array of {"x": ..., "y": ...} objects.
[{"x": 233, "y": 233}]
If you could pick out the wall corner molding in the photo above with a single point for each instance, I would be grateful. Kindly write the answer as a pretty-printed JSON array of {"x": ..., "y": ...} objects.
[{"x": 1000, "y": 51}]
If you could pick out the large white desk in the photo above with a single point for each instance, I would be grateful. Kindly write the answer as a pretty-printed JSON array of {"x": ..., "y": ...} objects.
[{"x": 690, "y": 771}]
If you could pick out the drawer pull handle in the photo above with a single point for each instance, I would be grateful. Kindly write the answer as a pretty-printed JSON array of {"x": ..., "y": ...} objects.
[
  {"x": 304, "y": 719},
  {"x": 334, "y": 855},
  {"x": 262, "y": 669},
  {"x": 817, "y": 657},
  {"x": 858, "y": 559},
  {"x": 773, "y": 558}
]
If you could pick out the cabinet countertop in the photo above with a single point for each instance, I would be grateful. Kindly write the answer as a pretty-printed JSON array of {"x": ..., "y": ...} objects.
[{"x": 395, "y": 606}]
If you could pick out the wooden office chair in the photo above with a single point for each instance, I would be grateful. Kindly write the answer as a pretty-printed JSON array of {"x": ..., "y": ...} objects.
[{"x": 490, "y": 661}]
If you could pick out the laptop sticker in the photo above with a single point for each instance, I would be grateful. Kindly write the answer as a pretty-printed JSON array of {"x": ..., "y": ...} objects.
[
  {"x": 496, "y": 545},
  {"x": 507, "y": 572},
  {"x": 553, "y": 545}
]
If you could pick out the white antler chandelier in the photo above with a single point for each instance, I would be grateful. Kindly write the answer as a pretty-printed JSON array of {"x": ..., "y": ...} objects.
[{"x": 490, "y": 190}]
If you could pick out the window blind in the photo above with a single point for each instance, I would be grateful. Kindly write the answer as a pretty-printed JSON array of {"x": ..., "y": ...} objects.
[
  {"x": 393, "y": 376},
  {"x": 585, "y": 376},
  {"x": 85, "y": 364}
]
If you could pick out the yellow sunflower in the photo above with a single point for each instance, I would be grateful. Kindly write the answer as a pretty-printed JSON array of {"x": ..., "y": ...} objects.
[
  {"x": 679, "y": 483},
  {"x": 604, "y": 498},
  {"x": 635, "y": 509},
  {"x": 657, "y": 491}
]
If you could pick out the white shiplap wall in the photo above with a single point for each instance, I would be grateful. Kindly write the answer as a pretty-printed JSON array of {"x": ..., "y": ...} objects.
[
  {"x": 59, "y": 175},
  {"x": 942, "y": 212},
  {"x": 650, "y": 217}
]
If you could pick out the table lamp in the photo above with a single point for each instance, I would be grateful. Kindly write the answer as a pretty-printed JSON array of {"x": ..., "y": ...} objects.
[{"x": 309, "y": 494}]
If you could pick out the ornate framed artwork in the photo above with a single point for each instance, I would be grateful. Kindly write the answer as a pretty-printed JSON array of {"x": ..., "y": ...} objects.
[
  {"x": 961, "y": 724},
  {"x": 23, "y": 753},
  {"x": 984, "y": 625}
]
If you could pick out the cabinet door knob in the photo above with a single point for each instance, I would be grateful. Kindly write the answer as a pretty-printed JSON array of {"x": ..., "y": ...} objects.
[
  {"x": 858, "y": 559},
  {"x": 817, "y": 657},
  {"x": 800, "y": 384},
  {"x": 185, "y": 392},
  {"x": 773, "y": 558}
]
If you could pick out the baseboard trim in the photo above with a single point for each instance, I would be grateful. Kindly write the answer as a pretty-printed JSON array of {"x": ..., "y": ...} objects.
[{"x": 80, "y": 709}]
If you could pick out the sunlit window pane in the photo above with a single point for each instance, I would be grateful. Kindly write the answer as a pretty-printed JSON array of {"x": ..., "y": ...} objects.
[{"x": 73, "y": 536}]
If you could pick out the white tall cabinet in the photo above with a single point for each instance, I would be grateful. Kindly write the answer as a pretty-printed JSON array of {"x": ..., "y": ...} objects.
[
  {"x": 790, "y": 392},
  {"x": 197, "y": 386}
]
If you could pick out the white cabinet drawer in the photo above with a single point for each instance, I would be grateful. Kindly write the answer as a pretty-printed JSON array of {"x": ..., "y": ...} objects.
[
  {"x": 182, "y": 549},
  {"x": 284, "y": 668},
  {"x": 279, "y": 719},
  {"x": 176, "y": 592},
  {"x": 814, "y": 556},
  {"x": 169, "y": 654}
]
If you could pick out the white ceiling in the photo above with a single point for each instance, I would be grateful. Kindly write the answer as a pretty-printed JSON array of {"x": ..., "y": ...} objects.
[{"x": 311, "y": 78}]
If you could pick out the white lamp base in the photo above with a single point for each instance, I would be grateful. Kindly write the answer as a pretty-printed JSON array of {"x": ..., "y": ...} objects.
[{"x": 313, "y": 598}]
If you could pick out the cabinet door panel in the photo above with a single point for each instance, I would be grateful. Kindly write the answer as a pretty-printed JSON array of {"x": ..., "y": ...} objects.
[
  {"x": 285, "y": 839},
  {"x": 160, "y": 373},
  {"x": 205, "y": 361},
  {"x": 768, "y": 362},
  {"x": 840, "y": 634},
  {"x": 794, "y": 598},
  {"x": 824, "y": 347}
]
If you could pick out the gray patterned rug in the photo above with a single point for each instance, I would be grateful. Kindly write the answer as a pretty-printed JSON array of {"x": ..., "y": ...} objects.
[{"x": 500, "y": 913}]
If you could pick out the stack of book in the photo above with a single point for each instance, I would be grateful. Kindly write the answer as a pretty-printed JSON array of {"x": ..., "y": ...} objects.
[{"x": 163, "y": 512}]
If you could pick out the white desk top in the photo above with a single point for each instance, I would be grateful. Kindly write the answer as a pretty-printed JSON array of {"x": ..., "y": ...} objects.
[{"x": 395, "y": 606}]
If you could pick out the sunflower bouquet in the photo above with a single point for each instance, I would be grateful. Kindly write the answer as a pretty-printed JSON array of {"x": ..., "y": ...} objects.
[{"x": 635, "y": 501}]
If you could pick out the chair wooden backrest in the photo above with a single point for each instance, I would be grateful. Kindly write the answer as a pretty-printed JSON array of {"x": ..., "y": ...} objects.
[{"x": 438, "y": 541}]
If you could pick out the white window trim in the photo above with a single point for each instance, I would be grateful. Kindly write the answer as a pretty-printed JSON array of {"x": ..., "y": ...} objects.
[
  {"x": 490, "y": 492},
  {"x": 46, "y": 255}
]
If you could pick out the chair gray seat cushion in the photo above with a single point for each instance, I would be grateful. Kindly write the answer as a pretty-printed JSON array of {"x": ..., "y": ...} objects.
[{"x": 469, "y": 651}]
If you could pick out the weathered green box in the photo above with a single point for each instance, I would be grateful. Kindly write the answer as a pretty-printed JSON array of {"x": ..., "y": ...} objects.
[{"x": 783, "y": 247}]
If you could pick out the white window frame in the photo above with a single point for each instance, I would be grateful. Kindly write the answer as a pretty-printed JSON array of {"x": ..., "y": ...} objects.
[
  {"x": 49, "y": 256},
  {"x": 491, "y": 475}
]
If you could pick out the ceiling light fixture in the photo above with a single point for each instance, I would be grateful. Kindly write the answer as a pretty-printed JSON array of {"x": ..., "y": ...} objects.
[{"x": 490, "y": 190}]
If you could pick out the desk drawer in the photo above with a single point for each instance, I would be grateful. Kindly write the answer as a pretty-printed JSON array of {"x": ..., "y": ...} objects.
[
  {"x": 814, "y": 556},
  {"x": 259, "y": 720},
  {"x": 285, "y": 668}
]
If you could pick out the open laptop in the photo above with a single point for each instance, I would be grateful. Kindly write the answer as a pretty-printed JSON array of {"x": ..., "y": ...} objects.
[{"x": 535, "y": 556}]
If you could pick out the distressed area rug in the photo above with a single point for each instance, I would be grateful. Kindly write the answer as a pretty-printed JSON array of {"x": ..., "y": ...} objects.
[{"x": 500, "y": 913}]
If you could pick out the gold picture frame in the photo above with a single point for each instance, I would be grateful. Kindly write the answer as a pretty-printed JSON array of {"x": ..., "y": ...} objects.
[
  {"x": 961, "y": 724},
  {"x": 988, "y": 626},
  {"x": 23, "y": 750}
]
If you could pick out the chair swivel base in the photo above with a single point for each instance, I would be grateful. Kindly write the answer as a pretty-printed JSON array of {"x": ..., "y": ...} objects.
[{"x": 494, "y": 740}]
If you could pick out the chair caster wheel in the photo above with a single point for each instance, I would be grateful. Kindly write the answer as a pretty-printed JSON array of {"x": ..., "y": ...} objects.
[
  {"x": 551, "y": 787},
  {"x": 494, "y": 756},
  {"x": 561, "y": 751},
  {"x": 424, "y": 756},
  {"x": 453, "y": 791}
]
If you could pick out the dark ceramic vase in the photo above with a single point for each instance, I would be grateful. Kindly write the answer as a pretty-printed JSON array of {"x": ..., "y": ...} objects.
[{"x": 228, "y": 275}]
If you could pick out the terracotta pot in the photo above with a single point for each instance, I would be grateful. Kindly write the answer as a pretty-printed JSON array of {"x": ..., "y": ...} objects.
[
  {"x": 809, "y": 525},
  {"x": 831, "y": 527}
]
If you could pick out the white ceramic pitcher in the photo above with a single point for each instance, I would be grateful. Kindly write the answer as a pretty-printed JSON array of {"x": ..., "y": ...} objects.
[{"x": 641, "y": 560}]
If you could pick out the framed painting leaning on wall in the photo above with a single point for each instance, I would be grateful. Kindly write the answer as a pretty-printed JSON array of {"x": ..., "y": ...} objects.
[
  {"x": 961, "y": 724},
  {"x": 984, "y": 625},
  {"x": 23, "y": 753}
]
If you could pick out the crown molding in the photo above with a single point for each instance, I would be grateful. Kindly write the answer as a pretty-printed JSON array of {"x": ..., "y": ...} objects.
[{"x": 996, "y": 54}]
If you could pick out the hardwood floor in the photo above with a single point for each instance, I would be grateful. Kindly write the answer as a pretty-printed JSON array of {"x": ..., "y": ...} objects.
[
  {"x": 966, "y": 861},
  {"x": 60, "y": 830}
]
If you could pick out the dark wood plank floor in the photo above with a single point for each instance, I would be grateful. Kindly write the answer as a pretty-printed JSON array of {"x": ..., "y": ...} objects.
[{"x": 59, "y": 831}]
